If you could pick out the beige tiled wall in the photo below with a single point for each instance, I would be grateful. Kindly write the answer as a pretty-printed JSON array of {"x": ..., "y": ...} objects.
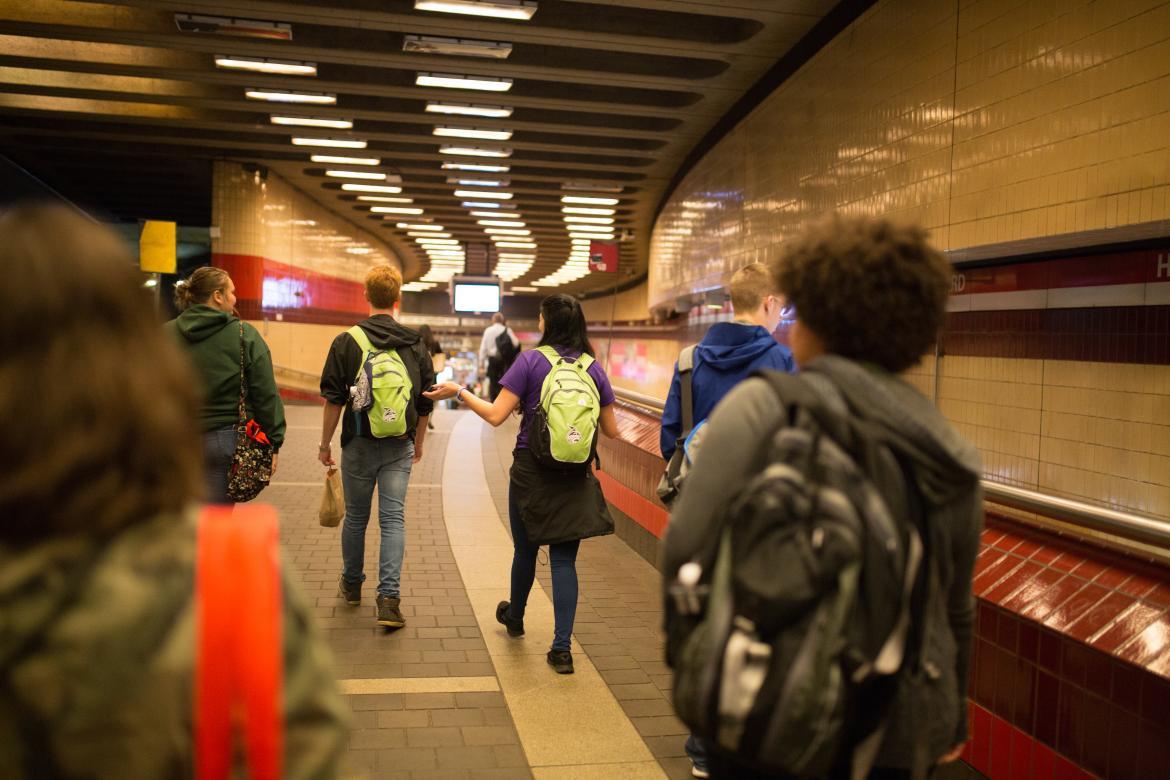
[
  {"x": 268, "y": 217},
  {"x": 1092, "y": 431},
  {"x": 983, "y": 120}
]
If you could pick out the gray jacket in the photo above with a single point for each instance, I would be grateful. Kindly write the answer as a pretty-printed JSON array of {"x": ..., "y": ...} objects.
[{"x": 947, "y": 468}]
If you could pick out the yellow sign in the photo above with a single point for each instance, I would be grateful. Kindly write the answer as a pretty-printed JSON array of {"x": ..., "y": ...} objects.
[{"x": 156, "y": 247}]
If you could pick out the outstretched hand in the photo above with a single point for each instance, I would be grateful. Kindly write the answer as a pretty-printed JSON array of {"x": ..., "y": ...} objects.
[{"x": 442, "y": 391}]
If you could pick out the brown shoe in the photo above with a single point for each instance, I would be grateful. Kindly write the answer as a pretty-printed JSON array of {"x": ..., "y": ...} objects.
[{"x": 388, "y": 612}]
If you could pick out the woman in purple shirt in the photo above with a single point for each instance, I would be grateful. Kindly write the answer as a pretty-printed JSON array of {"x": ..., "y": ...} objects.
[{"x": 560, "y": 507}]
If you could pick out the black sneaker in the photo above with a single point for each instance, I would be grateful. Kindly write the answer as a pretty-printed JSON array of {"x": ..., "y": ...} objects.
[
  {"x": 515, "y": 627},
  {"x": 561, "y": 661},
  {"x": 351, "y": 592},
  {"x": 388, "y": 613}
]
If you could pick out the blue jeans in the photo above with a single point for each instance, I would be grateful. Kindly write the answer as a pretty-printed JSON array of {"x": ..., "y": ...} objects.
[
  {"x": 563, "y": 559},
  {"x": 364, "y": 463},
  {"x": 218, "y": 448},
  {"x": 696, "y": 751}
]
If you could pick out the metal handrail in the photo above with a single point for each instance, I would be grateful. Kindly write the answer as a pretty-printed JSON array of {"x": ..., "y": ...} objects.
[{"x": 1143, "y": 529}]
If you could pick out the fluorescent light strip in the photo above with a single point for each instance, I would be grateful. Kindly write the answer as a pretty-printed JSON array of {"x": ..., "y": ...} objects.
[
  {"x": 389, "y": 190},
  {"x": 584, "y": 210},
  {"x": 496, "y": 214},
  {"x": 457, "y": 81},
  {"x": 575, "y": 220},
  {"x": 282, "y": 96},
  {"x": 333, "y": 143},
  {"x": 475, "y": 151},
  {"x": 521, "y": 10},
  {"x": 358, "y": 175},
  {"x": 383, "y": 199},
  {"x": 483, "y": 194},
  {"x": 416, "y": 226},
  {"x": 589, "y": 201},
  {"x": 256, "y": 65},
  {"x": 420, "y": 234},
  {"x": 447, "y": 131},
  {"x": 501, "y": 223},
  {"x": 480, "y": 204},
  {"x": 516, "y": 244},
  {"x": 309, "y": 121},
  {"x": 469, "y": 109},
  {"x": 395, "y": 210},
  {"x": 479, "y": 182},
  {"x": 459, "y": 166},
  {"x": 335, "y": 160}
]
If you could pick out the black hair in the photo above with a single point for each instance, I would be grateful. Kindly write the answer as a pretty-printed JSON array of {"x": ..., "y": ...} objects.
[
  {"x": 428, "y": 337},
  {"x": 564, "y": 324}
]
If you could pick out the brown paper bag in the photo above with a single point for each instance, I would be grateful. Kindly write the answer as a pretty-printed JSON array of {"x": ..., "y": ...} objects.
[{"x": 332, "y": 500}]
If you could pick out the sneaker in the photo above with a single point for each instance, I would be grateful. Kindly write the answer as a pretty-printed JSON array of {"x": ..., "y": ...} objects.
[
  {"x": 515, "y": 627},
  {"x": 351, "y": 592},
  {"x": 388, "y": 613},
  {"x": 698, "y": 771},
  {"x": 561, "y": 661}
]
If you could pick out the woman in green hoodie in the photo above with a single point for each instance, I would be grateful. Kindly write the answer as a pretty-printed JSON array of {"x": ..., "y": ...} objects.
[{"x": 212, "y": 333}]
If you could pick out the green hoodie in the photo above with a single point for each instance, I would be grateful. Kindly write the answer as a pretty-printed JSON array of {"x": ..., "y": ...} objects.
[{"x": 212, "y": 338}]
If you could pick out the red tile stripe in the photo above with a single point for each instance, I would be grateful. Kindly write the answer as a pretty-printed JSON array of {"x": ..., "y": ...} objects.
[
  {"x": 1003, "y": 752},
  {"x": 297, "y": 294},
  {"x": 645, "y": 513}
]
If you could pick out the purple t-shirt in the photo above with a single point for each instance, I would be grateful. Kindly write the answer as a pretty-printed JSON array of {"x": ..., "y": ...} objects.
[{"x": 526, "y": 376}]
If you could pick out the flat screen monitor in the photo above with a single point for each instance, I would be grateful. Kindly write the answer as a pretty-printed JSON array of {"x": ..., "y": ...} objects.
[{"x": 477, "y": 297}]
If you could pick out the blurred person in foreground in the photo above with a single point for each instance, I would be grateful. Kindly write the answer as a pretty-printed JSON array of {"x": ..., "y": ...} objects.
[
  {"x": 222, "y": 346},
  {"x": 103, "y": 469}
]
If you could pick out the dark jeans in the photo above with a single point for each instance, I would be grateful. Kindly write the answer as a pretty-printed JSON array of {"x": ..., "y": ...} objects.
[
  {"x": 218, "y": 448},
  {"x": 562, "y": 558}
]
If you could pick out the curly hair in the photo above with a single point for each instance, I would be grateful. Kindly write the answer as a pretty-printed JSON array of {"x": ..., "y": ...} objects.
[
  {"x": 870, "y": 289},
  {"x": 99, "y": 406}
]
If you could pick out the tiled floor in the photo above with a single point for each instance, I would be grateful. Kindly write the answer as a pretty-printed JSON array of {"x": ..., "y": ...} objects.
[{"x": 449, "y": 695}]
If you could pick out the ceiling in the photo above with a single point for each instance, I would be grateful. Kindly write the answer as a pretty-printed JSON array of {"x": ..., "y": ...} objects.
[{"x": 121, "y": 109}]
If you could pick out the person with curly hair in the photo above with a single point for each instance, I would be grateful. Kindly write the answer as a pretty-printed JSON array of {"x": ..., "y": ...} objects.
[{"x": 869, "y": 297}]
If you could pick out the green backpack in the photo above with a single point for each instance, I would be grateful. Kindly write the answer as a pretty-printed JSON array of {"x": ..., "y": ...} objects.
[
  {"x": 563, "y": 430},
  {"x": 382, "y": 387}
]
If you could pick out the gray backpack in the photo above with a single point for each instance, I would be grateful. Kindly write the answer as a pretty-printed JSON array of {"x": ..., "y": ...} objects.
[
  {"x": 690, "y": 440},
  {"x": 788, "y": 638}
]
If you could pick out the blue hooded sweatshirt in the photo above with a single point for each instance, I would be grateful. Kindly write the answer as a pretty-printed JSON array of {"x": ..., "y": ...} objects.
[{"x": 729, "y": 353}]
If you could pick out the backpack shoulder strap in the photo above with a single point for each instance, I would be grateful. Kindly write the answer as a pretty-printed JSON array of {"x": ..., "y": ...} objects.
[
  {"x": 361, "y": 337},
  {"x": 550, "y": 354},
  {"x": 796, "y": 390},
  {"x": 585, "y": 361},
  {"x": 686, "y": 366},
  {"x": 239, "y": 664}
]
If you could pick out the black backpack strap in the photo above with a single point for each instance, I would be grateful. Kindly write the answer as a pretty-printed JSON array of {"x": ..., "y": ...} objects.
[{"x": 686, "y": 367}]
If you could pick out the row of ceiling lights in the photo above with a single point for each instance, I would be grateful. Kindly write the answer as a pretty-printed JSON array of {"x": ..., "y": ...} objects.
[{"x": 584, "y": 219}]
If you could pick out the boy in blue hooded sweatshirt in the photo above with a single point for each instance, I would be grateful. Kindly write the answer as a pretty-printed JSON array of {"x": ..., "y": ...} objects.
[{"x": 729, "y": 353}]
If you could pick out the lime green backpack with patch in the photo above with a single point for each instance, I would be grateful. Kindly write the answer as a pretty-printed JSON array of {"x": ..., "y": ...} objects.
[
  {"x": 563, "y": 431},
  {"x": 382, "y": 387}
]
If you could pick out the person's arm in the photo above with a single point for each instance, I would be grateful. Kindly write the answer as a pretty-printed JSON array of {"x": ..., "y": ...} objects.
[
  {"x": 515, "y": 339},
  {"x": 608, "y": 422},
  {"x": 493, "y": 413},
  {"x": 961, "y": 613},
  {"x": 671, "y": 417},
  {"x": 423, "y": 405},
  {"x": 329, "y": 420},
  {"x": 740, "y": 424},
  {"x": 483, "y": 345}
]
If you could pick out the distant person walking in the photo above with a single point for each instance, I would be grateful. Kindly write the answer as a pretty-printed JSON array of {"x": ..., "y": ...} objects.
[
  {"x": 553, "y": 496},
  {"x": 496, "y": 352},
  {"x": 729, "y": 353},
  {"x": 376, "y": 372},
  {"x": 438, "y": 359},
  {"x": 221, "y": 345}
]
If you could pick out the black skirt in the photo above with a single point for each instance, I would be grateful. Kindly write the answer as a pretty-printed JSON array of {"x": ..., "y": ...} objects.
[{"x": 558, "y": 506}]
